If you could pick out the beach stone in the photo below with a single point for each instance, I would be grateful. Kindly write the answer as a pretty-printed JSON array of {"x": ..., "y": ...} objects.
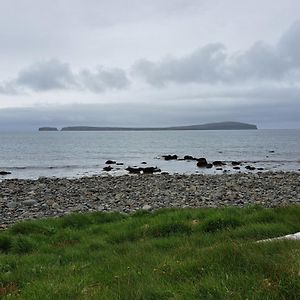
[
  {"x": 29, "y": 202},
  {"x": 55, "y": 205},
  {"x": 12, "y": 204},
  {"x": 100, "y": 208},
  {"x": 60, "y": 196},
  {"x": 147, "y": 207}
]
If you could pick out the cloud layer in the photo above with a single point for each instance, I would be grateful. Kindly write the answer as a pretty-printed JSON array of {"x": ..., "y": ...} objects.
[
  {"x": 212, "y": 64},
  {"x": 56, "y": 75}
]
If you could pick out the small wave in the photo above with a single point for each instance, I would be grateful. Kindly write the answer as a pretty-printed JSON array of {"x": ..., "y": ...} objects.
[
  {"x": 50, "y": 167},
  {"x": 266, "y": 161}
]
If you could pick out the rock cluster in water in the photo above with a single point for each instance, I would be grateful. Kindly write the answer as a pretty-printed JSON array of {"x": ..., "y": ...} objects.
[{"x": 45, "y": 197}]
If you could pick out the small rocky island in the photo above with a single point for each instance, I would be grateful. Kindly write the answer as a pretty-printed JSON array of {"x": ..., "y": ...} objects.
[
  {"x": 48, "y": 129},
  {"x": 209, "y": 126}
]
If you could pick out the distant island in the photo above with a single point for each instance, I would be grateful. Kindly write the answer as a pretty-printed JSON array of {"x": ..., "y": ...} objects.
[
  {"x": 208, "y": 126},
  {"x": 48, "y": 129}
]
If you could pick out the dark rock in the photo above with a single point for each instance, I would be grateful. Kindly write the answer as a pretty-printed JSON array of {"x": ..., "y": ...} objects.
[
  {"x": 119, "y": 164},
  {"x": 108, "y": 168},
  {"x": 5, "y": 173},
  {"x": 134, "y": 170},
  {"x": 110, "y": 162},
  {"x": 236, "y": 168},
  {"x": 143, "y": 163},
  {"x": 271, "y": 151},
  {"x": 189, "y": 157},
  {"x": 150, "y": 170},
  {"x": 218, "y": 163},
  {"x": 235, "y": 163},
  {"x": 250, "y": 168},
  {"x": 219, "y": 169},
  {"x": 209, "y": 166},
  {"x": 260, "y": 169},
  {"x": 202, "y": 162},
  {"x": 170, "y": 157}
]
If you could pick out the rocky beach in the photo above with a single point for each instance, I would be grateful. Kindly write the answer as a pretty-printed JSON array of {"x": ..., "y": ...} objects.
[{"x": 54, "y": 197}]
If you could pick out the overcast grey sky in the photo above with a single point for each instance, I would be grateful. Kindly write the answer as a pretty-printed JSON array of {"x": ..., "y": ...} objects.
[{"x": 140, "y": 62}]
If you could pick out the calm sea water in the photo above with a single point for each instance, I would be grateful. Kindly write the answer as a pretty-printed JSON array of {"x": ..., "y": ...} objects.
[{"x": 73, "y": 154}]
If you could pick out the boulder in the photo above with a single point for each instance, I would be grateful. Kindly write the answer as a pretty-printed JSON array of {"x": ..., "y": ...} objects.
[
  {"x": 133, "y": 170},
  {"x": 236, "y": 168},
  {"x": 150, "y": 170},
  {"x": 235, "y": 163},
  {"x": 209, "y": 166},
  {"x": 189, "y": 157},
  {"x": 107, "y": 169},
  {"x": 110, "y": 162},
  {"x": 5, "y": 173},
  {"x": 250, "y": 168},
  {"x": 143, "y": 163},
  {"x": 202, "y": 162},
  {"x": 218, "y": 163},
  {"x": 170, "y": 157}
]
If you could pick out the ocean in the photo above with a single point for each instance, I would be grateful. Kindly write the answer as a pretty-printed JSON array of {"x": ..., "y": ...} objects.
[{"x": 29, "y": 155}]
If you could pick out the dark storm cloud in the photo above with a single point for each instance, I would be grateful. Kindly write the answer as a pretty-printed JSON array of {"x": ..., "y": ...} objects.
[
  {"x": 56, "y": 75},
  {"x": 212, "y": 64}
]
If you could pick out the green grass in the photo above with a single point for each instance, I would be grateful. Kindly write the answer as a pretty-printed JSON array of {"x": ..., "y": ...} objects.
[{"x": 168, "y": 254}]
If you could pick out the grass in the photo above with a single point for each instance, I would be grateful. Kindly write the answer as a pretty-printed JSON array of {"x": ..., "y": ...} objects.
[{"x": 168, "y": 254}]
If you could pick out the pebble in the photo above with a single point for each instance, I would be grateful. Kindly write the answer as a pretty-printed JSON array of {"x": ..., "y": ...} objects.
[
  {"x": 55, "y": 197},
  {"x": 29, "y": 202}
]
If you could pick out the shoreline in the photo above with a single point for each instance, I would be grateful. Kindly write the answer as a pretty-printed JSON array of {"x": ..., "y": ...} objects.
[{"x": 22, "y": 199}]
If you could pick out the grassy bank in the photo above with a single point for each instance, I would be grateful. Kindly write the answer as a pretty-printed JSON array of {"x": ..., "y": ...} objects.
[{"x": 169, "y": 254}]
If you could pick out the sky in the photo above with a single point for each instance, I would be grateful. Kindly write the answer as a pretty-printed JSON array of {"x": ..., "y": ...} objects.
[{"x": 149, "y": 63}]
